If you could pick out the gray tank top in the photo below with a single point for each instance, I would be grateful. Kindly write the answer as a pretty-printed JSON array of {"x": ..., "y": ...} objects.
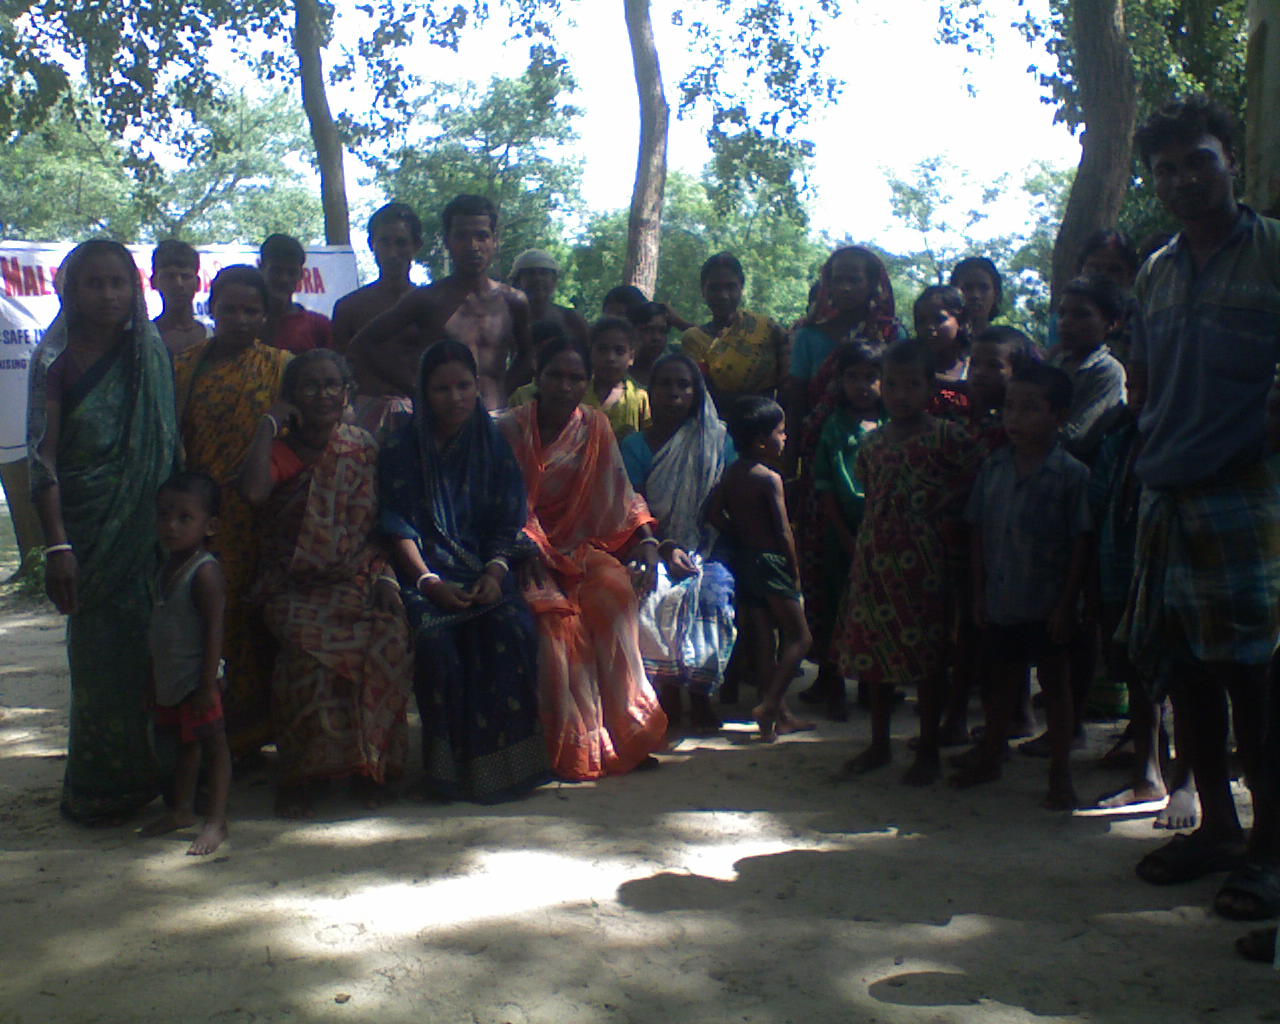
[{"x": 176, "y": 636}]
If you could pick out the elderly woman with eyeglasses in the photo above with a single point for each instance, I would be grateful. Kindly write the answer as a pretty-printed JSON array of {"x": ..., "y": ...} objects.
[{"x": 341, "y": 684}]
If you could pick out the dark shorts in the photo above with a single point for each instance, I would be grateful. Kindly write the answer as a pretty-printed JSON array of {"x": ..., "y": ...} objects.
[
  {"x": 189, "y": 723},
  {"x": 759, "y": 574},
  {"x": 1021, "y": 642}
]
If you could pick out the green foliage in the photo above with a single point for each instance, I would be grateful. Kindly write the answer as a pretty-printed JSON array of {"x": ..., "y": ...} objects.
[
  {"x": 1178, "y": 47},
  {"x": 71, "y": 179},
  {"x": 506, "y": 142},
  {"x": 946, "y": 228},
  {"x": 773, "y": 241}
]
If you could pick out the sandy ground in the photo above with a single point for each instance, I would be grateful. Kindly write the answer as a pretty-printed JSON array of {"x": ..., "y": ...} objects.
[{"x": 738, "y": 883}]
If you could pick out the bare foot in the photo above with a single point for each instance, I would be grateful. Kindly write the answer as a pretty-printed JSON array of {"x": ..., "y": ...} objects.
[
  {"x": 1181, "y": 812},
  {"x": 171, "y": 821},
  {"x": 1138, "y": 793},
  {"x": 788, "y": 723},
  {"x": 369, "y": 793},
  {"x": 1060, "y": 798},
  {"x": 926, "y": 770},
  {"x": 767, "y": 720},
  {"x": 210, "y": 838},
  {"x": 702, "y": 715},
  {"x": 868, "y": 761}
]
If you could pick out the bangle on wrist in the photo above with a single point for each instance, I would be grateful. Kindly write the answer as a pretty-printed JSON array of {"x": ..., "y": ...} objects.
[
  {"x": 53, "y": 549},
  {"x": 497, "y": 563},
  {"x": 387, "y": 578},
  {"x": 647, "y": 540},
  {"x": 275, "y": 424},
  {"x": 426, "y": 577}
]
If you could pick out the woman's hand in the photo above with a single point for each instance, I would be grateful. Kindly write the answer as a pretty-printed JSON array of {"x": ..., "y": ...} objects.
[
  {"x": 485, "y": 590},
  {"x": 448, "y": 597},
  {"x": 285, "y": 414},
  {"x": 679, "y": 564},
  {"x": 644, "y": 570},
  {"x": 533, "y": 574},
  {"x": 386, "y": 596},
  {"x": 62, "y": 581}
]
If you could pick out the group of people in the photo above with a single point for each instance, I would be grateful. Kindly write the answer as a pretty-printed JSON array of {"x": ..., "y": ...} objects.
[{"x": 549, "y": 531}]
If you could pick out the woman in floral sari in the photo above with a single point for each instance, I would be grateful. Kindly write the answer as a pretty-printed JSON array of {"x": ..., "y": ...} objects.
[
  {"x": 740, "y": 353},
  {"x": 599, "y": 713},
  {"x": 687, "y": 624},
  {"x": 225, "y": 386},
  {"x": 453, "y": 501},
  {"x": 340, "y": 689},
  {"x": 102, "y": 434}
]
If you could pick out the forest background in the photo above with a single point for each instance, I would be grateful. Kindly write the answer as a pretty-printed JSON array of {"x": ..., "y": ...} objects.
[{"x": 226, "y": 120}]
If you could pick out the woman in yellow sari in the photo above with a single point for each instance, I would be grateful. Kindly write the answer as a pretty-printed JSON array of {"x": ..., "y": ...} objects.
[
  {"x": 225, "y": 387},
  {"x": 740, "y": 353}
]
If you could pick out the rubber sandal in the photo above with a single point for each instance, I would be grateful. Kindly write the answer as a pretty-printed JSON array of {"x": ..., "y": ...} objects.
[
  {"x": 1184, "y": 858},
  {"x": 1259, "y": 884}
]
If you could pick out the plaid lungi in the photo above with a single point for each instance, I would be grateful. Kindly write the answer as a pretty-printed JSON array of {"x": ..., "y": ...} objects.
[{"x": 1207, "y": 579}]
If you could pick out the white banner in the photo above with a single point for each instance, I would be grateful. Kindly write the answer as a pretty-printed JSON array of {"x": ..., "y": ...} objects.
[{"x": 28, "y": 305}]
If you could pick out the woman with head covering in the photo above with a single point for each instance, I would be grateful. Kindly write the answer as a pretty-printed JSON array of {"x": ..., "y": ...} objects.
[
  {"x": 687, "y": 624},
  {"x": 453, "y": 500},
  {"x": 102, "y": 438}
]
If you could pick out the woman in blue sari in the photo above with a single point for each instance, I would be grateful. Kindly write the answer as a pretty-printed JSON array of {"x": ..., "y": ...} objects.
[
  {"x": 453, "y": 502},
  {"x": 102, "y": 437}
]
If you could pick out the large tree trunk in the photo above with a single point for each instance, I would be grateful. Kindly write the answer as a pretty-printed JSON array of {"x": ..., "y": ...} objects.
[
  {"x": 1262, "y": 144},
  {"x": 324, "y": 132},
  {"x": 644, "y": 233},
  {"x": 1109, "y": 102}
]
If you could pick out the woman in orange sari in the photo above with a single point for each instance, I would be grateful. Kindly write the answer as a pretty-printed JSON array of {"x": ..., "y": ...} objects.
[
  {"x": 225, "y": 387},
  {"x": 599, "y": 713}
]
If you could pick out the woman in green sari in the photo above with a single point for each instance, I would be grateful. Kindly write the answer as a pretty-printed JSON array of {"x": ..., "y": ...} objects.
[{"x": 102, "y": 437}]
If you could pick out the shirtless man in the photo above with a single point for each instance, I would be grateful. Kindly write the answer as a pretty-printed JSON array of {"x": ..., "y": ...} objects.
[
  {"x": 395, "y": 236},
  {"x": 490, "y": 318},
  {"x": 175, "y": 274},
  {"x": 536, "y": 273}
]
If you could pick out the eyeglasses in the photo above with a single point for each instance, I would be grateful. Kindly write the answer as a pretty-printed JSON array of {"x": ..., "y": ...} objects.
[{"x": 332, "y": 389}]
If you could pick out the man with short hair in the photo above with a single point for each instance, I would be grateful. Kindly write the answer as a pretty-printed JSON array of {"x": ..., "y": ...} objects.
[
  {"x": 289, "y": 326},
  {"x": 490, "y": 318},
  {"x": 1204, "y": 612}
]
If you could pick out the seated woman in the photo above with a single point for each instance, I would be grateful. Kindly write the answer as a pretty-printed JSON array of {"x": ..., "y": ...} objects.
[
  {"x": 687, "y": 624},
  {"x": 453, "y": 501},
  {"x": 600, "y": 715},
  {"x": 340, "y": 689}
]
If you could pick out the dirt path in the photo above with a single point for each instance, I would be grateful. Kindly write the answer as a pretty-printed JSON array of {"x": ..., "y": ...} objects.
[{"x": 738, "y": 883}]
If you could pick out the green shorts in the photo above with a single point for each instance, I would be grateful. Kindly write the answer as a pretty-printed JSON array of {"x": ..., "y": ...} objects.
[{"x": 759, "y": 574}]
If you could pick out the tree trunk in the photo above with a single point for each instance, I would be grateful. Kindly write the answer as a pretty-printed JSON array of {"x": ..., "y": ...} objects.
[
  {"x": 324, "y": 132},
  {"x": 644, "y": 231},
  {"x": 1109, "y": 102},
  {"x": 1262, "y": 144}
]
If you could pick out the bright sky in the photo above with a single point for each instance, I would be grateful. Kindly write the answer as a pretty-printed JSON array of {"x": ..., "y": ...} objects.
[{"x": 904, "y": 99}]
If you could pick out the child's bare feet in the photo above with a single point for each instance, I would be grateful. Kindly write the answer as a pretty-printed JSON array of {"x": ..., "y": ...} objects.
[
  {"x": 788, "y": 723},
  {"x": 926, "y": 770},
  {"x": 875, "y": 756},
  {"x": 170, "y": 821},
  {"x": 210, "y": 838},
  {"x": 767, "y": 719},
  {"x": 371, "y": 795}
]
